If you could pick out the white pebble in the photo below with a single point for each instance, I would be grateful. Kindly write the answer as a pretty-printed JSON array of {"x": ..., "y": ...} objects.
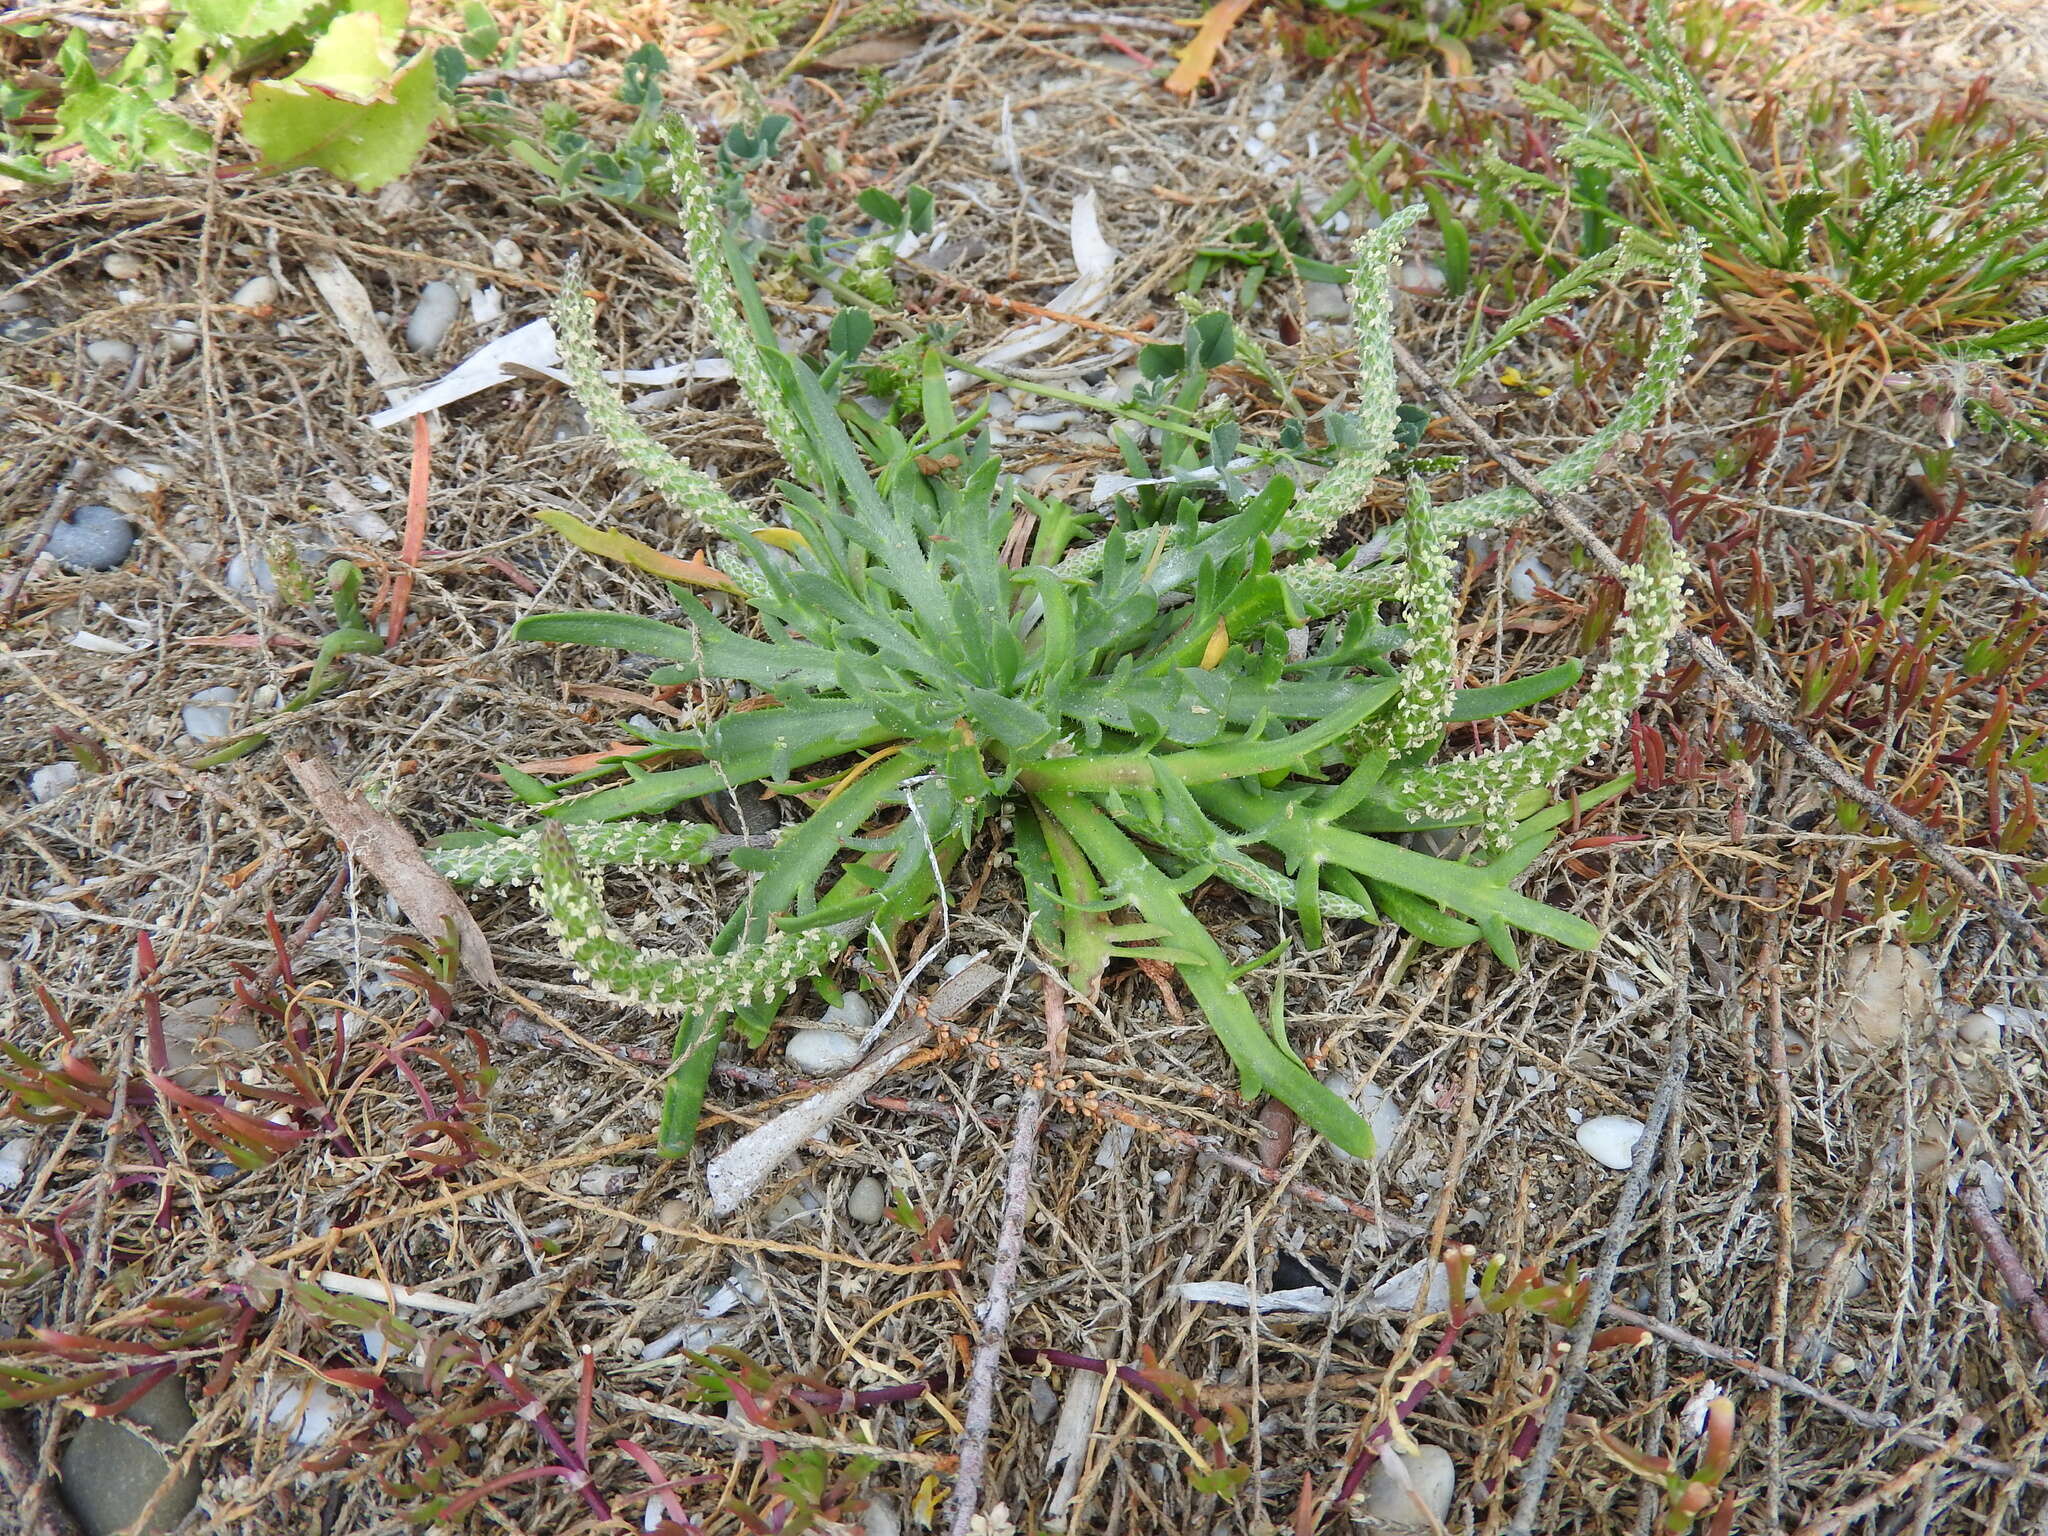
[
  {"x": 1981, "y": 1030},
  {"x": 48, "y": 782},
  {"x": 1269, "y": 131},
  {"x": 249, "y": 571},
  {"x": 110, "y": 353},
  {"x": 868, "y": 1201},
  {"x": 1326, "y": 301},
  {"x": 210, "y": 715},
  {"x": 851, "y": 1015},
  {"x": 506, "y": 255},
  {"x": 258, "y": 292},
  {"x": 1414, "y": 1492},
  {"x": 821, "y": 1051},
  {"x": 182, "y": 340},
  {"x": 1610, "y": 1139},
  {"x": 958, "y": 964},
  {"x": 14, "y": 1161},
  {"x": 122, "y": 267},
  {"x": 432, "y": 316},
  {"x": 1524, "y": 577}
]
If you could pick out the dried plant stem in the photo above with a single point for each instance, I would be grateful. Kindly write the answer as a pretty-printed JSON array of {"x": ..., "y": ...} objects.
[
  {"x": 1750, "y": 701},
  {"x": 2025, "y": 1294},
  {"x": 992, "y": 1344},
  {"x": 1885, "y": 1492},
  {"x": 1572, "y": 1374}
]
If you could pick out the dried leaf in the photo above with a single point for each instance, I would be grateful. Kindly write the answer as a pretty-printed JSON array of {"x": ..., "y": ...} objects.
[
  {"x": 869, "y": 53},
  {"x": 390, "y": 853},
  {"x": 1200, "y": 55}
]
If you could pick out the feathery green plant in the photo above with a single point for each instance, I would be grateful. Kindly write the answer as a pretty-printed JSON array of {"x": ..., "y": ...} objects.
[
  {"x": 1134, "y": 718},
  {"x": 1923, "y": 238}
]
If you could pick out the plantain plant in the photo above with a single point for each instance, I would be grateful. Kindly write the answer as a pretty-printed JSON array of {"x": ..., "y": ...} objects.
[{"x": 1198, "y": 695}]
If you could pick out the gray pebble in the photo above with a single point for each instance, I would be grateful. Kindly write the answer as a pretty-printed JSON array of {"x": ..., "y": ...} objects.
[
  {"x": 110, "y": 1472},
  {"x": 110, "y": 353},
  {"x": 432, "y": 317},
  {"x": 93, "y": 538},
  {"x": 122, "y": 267},
  {"x": 25, "y": 329},
  {"x": 868, "y": 1202}
]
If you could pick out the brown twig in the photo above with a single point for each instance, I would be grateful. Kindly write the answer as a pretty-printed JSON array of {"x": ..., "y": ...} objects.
[
  {"x": 1750, "y": 702},
  {"x": 415, "y": 527},
  {"x": 1572, "y": 1374},
  {"x": 2025, "y": 1294},
  {"x": 992, "y": 1344}
]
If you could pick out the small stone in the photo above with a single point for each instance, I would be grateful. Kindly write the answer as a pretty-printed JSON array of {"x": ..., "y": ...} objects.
[
  {"x": 603, "y": 1180},
  {"x": 1524, "y": 577},
  {"x": 851, "y": 1015},
  {"x": 259, "y": 292},
  {"x": 182, "y": 339},
  {"x": 1889, "y": 988},
  {"x": 1326, "y": 301},
  {"x": 821, "y": 1051},
  {"x": 92, "y": 538},
  {"x": 1422, "y": 277},
  {"x": 13, "y": 303},
  {"x": 881, "y": 1519},
  {"x": 122, "y": 267},
  {"x": 1610, "y": 1139},
  {"x": 211, "y": 714},
  {"x": 1420, "y": 1500},
  {"x": 673, "y": 1213},
  {"x": 1044, "y": 1401},
  {"x": 110, "y": 1473},
  {"x": 51, "y": 780},
  {"x": 432, "y": 316},
  {"x": 506, "y": 255},
  {"x": 868, "y": 1202},
  {"x": 135, "y": 481},
  {"x": 249, "y": 572},
  {"x": 14, "y": 1161},
  {"x": 25, "y": 330},
  {"x": 1981, "y": 1031}
]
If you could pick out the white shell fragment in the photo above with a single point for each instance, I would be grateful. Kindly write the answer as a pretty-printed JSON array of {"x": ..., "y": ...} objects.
[
  {"x": 1411, "y": 1491},
  {"x": 1610, "y": 1140},
  {"x": 1889, "y": 988},
  {"x": 210, "y": 715}
]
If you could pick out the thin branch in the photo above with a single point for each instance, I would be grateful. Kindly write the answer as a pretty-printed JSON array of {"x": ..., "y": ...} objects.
[
  {"x": 1750, "y": 702},
  {"x": 2025, "y": 1294},
  {"x": 992, "y": 1344},
  {"x": 1572, "y": 1374}
]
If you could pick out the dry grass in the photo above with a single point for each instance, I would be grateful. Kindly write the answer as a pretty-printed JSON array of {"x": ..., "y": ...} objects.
[{"x": 1729, "y": 907}]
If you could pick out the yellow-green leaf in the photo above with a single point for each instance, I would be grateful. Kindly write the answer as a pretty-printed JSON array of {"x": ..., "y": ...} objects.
[
  {"x": 340, "y": 114},
  {"x": 609, "y": 544}
]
